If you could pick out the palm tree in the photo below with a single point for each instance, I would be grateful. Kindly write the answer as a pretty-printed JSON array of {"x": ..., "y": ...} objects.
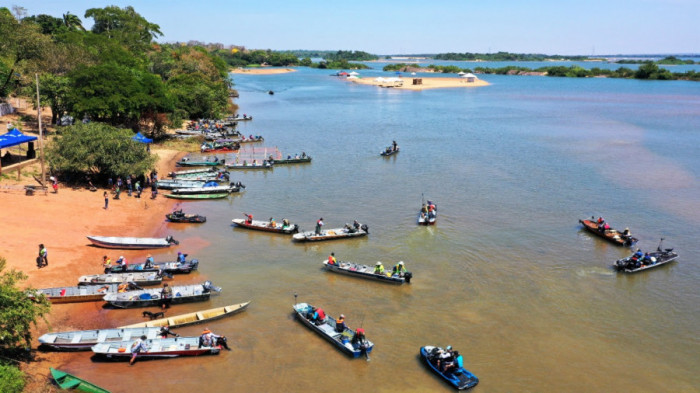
[{"x": 72, "y": 22}]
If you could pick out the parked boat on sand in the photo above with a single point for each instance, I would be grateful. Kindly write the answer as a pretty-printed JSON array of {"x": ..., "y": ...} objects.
[
  {"x": 194, "y": 318},
  {"x": 138, "y": 278},
  {"x": 70, "y": 382},
  {"x": 132, "y": 243},
  {"x": 157, "y": 348},
  {"x": 83, "y": 340},
  {"x": 151, "y": 297}
]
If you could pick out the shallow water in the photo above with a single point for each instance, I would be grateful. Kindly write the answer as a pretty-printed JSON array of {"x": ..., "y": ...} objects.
[{"x": 506, "y": 276}]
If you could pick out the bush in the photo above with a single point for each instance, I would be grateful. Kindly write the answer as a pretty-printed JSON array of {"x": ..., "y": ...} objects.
[{"x": 11, "y": 379}]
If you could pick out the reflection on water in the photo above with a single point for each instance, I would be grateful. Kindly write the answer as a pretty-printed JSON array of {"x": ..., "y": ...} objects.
[{"x": 506, "y": 276}]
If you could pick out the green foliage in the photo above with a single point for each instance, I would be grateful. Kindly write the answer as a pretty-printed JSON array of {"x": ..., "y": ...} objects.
[
  {"x": 21, "y": 42},
  {"x": 124, "y": 25},
  {"x": 17, "y": 310},
  {"x": 349, "y": 56},
  {"x": 339, "y": 65},
  {"x": 504, "y": 56},
  {"x": 98, "y": 150},
  {"x": 11, "y": 379}
]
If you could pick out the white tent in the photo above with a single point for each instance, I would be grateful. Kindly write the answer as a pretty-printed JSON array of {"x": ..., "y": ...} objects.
[{"x": 469, "y": 77}]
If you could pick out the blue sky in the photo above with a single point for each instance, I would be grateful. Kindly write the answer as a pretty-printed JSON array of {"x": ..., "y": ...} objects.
[{"x": 410, "y": 26}]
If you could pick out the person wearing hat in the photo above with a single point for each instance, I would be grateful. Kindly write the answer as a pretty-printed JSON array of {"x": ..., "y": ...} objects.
[
  {"x": 122, "y": 263},
  {"x": 331, "y": 259},
  {"x": 106, "y": 263},
  {"x": 209, "y": 339},
  {"x": 378, "y": 268},
  {"x": 340, "y": 324},
  {"x": 319, "y": 225},
  {"x": 399, "y": 269}
]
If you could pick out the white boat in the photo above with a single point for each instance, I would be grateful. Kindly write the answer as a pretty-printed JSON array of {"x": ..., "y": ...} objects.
[
  {"x": 85, "y": 339},
  {"x": 151, "y": 297},
  {"x": 157, "y": 348},
  {"x": 364, "y": 271},
  {"x": 330, "y": 234},
  {"x": 138, "y": 278},
  {"x": 133, "y": 243}
]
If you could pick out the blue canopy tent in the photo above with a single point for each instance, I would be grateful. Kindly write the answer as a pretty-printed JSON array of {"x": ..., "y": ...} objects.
[
  {"x": 140, "y": 138},
  {"x": 13, "y": 138}
]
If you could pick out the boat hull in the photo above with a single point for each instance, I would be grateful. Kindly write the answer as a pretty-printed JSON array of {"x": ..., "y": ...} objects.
[
  {"x": 661, "y": 258},
  {"x": 610, "y": 235},
  {"x": 186, "y": 218},
  {"x": 131, "y": 243},
  {"x": 195, "y": 197},
  {"x": 262, "y": 226},
  {"x": 83, "y": 340},
  {"x": 387, "y": 153},
  {"x": 292, "y": 161},
  {"x": 70, "y": 381},
  {"x": 363, "y": 271},
  {"x": 194, "y": 318},
  {"x": 151, "y": 297},
  {"x": 461, "y": 378},
  {"x": 158, "y": 348}
]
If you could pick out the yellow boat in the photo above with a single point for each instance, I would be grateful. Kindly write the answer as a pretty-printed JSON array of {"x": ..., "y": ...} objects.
[{"x": 193, "y": 318}]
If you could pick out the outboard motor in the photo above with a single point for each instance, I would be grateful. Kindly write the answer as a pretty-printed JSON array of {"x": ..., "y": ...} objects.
[
  {"x": 170, "y": 239},
  {"x": 207, "y": 286},
  {"x": 365, "y": 228},
  {"x": 407, "y": 276},
  {"x": 296, "y": 228}
]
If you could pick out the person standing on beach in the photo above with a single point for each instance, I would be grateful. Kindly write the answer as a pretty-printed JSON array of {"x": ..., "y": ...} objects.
[
  {"x": 106, "y": 200},
  {"x": 43, "y": 256},
  {"x": 128, "y": 185}
]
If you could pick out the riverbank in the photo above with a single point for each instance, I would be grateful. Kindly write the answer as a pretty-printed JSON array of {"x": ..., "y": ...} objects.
[
  {"x": 61, "y": 221},
  {"x": 261, "y": 71},
  {"x": 426, "y": 83}
]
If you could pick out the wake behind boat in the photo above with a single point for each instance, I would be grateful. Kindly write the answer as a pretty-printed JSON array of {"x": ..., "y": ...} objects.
[
  {"x": 83, "y": 340},
  {"x": 367, "y": 272},
  {"x": 602, "y": 229},
  {"x": 152, "y": 297},
  {"x": 132, "y": 243},
  {"x": 642, "y": 261},
  {"x": 349, "y": 342}
]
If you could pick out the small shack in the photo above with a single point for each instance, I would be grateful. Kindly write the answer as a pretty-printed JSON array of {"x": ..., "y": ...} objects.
[{"x": 417, "y": 81}]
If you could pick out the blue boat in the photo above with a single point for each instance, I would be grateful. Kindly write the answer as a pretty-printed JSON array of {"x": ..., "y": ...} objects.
[
  {"x": 342, "y": 340},
  {"x": 460, "y": 377}
]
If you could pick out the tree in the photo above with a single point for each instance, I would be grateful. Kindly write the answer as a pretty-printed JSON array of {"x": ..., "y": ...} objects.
[
  {"x": 18, "y": 311},
  {"x": 98, "y": 150},
  {"x": 11, "y": 379},
  {"x": 125, "y": 25},
  {"x": 72, "y": 22}
]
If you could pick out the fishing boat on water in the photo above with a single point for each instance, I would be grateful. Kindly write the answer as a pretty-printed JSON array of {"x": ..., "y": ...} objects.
[
  {"x": 78, "y": 294},
  {"x": 251, "y": 139},
  {"x": 267, "y": 226},
  {"x": 639, "y": 261},
  {"x": 264, "y": 164},
  {"x": 367, "y": 272},
  {"x": 459, "y": 377},
  {"x": 345, "y": 340},
  {"x": 179, "y": 216},
  {"x": 186, "y": 161},
  {"x": 390, "y": 150},
  {"x": 194, "y": 318},
  {"x": 601, "y": 229},
  {"x": 157, "y": 348},
  {"x": 171, "y": 267},
  {"x": 427, "y": 214},
  {"x": 138, "y": 278},
  {"x": 70, "y": 382},
  {"x": 195, "y": 197},
  {"x": 151, "y": 297},
  {"x": 132, "y": 243},
  {"x": 293, "y": 160},
  {"x": 209, "y": 188},
  {"x": 331, "y": 234},
  {"x": 83, "y": 340},
  {"x": 239, "y": 118}
]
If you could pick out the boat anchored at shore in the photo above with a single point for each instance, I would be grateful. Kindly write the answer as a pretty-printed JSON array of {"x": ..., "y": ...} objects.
[
  {"x": 138, "y": 278},
  {"x": 151, "y": 297},
  {"x": 193, "y": 318},
  {"x": 157, "y": 348},
  {"x": 78, "y": 294},
  {"x": 83, "y": 340},
  {"x": 132, "y": 243}
]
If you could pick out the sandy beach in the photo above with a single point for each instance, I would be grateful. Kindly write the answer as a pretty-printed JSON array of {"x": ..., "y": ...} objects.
[
  {"x": 428, "y": 83},
  {"x": 261, "y": 71}
]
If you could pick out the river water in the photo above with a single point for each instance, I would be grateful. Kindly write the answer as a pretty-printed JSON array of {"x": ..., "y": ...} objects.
[{"x": 507, "y": 276}]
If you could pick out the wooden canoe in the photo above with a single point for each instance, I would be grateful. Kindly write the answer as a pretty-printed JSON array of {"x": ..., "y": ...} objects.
[
  {"x": 611, "y": 235},
  {"x": 193, "y": 318},
  {"x": 71, "y": 382},
  {"x": 195, "y": 197},
  {"x": 83, "y": 340},
  {"x": 265, "y": 226}
]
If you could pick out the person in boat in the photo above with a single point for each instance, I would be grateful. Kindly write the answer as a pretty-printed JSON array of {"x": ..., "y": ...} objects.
[
  {"x": 601, "y": 224},
  {"x": 348, "y": 228},
  {"x": 149, "y": 262},
  {"x": 394, "y": 146},
  {"x": 285, "y": 223},
  {"x": 303, "y": 154},
  {"x": 137, "y": 347},
  {"x": 340, "y": 324},
  {"x": 378, "y": 268},
  {"x": 106, "y": 263},
  {"x": 359, "y": 336},
  {"x": 181, "y": 258},
  {"x": 166, "y": 296},
  {"x": 456, "y": 364},
  {"x": 399, "y": 269},
  {"x": 648, "y": 259},
  {"x": 356, "y": 225},
  {"x": 319, "y": 225},
  {"x": 445, "y": 359},
  {"x": 122, "y": 263},
  {"x": 296, "y": 156},
  {"x": 289, "y": 156},
  {"x": 318, "y": 316},
  {"x": 626, "y": 234},
  {"x": 272, "y": 223},
  {"x": 248, "y": 218},
  {"x": 424, "y": 209},
  {"x": 332, "y": 260}
]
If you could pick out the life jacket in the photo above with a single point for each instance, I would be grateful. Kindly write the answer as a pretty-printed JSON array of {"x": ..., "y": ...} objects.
[{"x": 331, "y": 260}]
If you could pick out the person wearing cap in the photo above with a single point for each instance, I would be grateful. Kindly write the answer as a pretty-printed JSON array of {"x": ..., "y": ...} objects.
[
  {"x": 138, "y": 346},
  {"x": 378, "y": 268},
  {"x": 331, "y": 259},
  {"x": 122, "y": 263},
  {"x": 318, "y": 316},
  {"x": 399, "y": 269},
  {"x": 359, "y": 336},
  {"x": 456, "y": 363},
  {"x": 340, "y": 324},
  {"x": 248, "y": 218},
  {"x": 319, "y": 225},
  {"x": 166, "y": 296}
]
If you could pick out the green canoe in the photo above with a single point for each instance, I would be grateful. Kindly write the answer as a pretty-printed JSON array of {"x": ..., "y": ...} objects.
[
  {"x": 197, "y": 196},
  {"x": 69, "y": 381}
]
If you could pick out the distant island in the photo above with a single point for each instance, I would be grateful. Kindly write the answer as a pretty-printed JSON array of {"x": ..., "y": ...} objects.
[
  {"x": 338, "y": 60},
  {"x": 506, "y": 56}
]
